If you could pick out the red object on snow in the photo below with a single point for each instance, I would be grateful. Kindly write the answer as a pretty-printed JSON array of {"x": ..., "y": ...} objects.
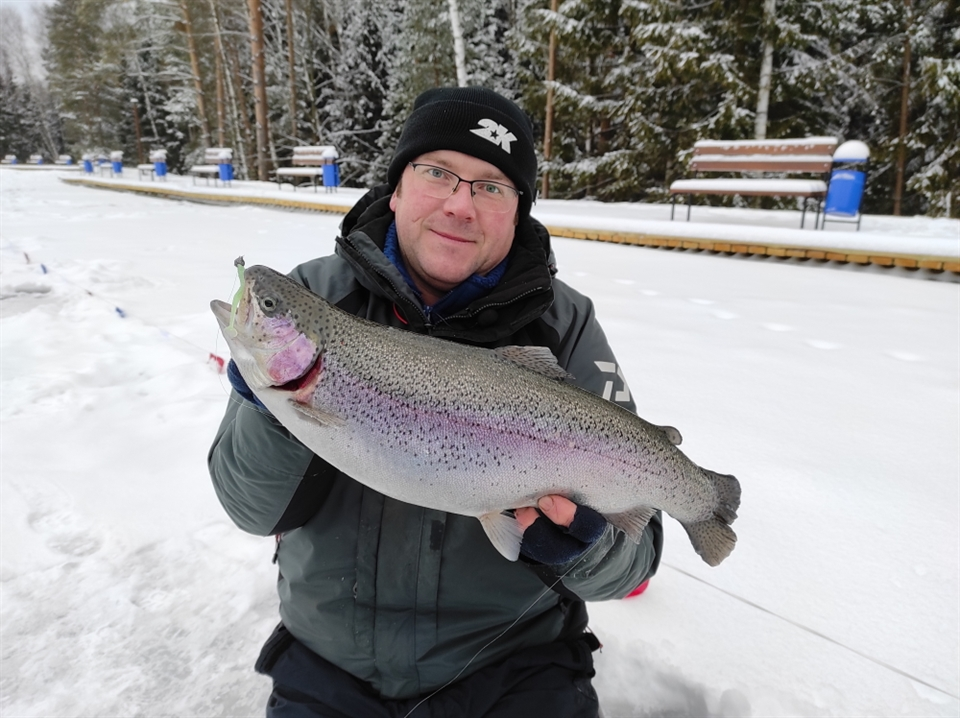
[
  {"x": 220, "y": 363},
  {"x": 638, "y": 590}
]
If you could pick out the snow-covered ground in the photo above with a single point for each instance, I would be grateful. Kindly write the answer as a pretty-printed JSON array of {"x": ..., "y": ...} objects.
[{"x": 834, "y": 396}]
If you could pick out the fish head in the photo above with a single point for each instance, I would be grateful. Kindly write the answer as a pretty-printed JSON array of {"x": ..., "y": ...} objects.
[{"x": 274, "y": 334}]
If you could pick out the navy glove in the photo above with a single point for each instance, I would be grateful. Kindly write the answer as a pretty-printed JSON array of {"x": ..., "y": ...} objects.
[
  {"x": 554, "y": 545},
  {"x": 240, "y": 385}
]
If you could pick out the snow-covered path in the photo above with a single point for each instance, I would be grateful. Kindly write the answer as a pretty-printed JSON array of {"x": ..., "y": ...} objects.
[{"x": 834, "y": 396}]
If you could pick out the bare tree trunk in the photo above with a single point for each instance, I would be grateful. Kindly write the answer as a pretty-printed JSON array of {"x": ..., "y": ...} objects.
[
  {"x": 136, "y": 127},
  {"x": 766, "y": 71},
  {"x": 244, "y": 106},
  {"x": 904, "y": 112},
  {"x": 146, "y": 96},
  {"x": 222, "y": 69},
  {"x": 259, "y": 87},
  {"x": 221, "y": 105},
  {"x": 195, "y": 67},
  {"x": 291, "y": 57},
  {"x": 548, "y": 122},
  {"x": 459, "y": 53}
]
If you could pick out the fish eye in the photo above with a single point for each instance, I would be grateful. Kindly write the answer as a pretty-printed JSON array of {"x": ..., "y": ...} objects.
[{"x": 268, "y": 304}]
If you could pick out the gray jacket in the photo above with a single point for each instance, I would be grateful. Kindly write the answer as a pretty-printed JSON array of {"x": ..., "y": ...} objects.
[{"x": 401, "y": 596}]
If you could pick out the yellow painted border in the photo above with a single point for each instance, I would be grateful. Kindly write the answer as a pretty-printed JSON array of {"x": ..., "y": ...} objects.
[
  {"x": 883, "y": 259},
  {"x": 858, "y": 256}
]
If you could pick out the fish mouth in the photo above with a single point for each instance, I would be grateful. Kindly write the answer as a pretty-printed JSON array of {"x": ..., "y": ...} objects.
[{"x": 221, "y": 310}]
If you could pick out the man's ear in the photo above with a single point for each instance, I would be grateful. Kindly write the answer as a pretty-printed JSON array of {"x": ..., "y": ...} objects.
[{"x": 395, "y": 196}]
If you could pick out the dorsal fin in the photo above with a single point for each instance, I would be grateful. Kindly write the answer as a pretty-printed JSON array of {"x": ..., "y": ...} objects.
[{"x": 539, "y": 359}]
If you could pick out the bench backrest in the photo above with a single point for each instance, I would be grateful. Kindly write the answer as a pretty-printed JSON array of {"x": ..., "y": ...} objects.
[
  {"x": 809, "y": 154},
  {"x": 217, "y": 155},
  {"x": 314, "y": 155}
]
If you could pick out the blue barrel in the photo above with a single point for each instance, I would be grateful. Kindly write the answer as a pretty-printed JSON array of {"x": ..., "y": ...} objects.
[
  {"x": 845, "y": 192},
  {"x": 226, "y": 171},
  {"x": 331, "y": 175},
  {"x": 160, "y": 169},
  {"x": 88, "y": 167},
  {"x": 117, "y": 167}
]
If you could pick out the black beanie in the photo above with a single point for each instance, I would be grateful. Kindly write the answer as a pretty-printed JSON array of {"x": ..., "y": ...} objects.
[{"x": 477, "y": 122}]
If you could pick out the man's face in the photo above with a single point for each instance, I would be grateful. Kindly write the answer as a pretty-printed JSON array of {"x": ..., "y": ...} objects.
[{"x": 445, "y": 241}]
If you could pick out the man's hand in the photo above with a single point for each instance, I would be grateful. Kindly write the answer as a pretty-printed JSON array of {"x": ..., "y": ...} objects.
[{"x": 560, "y": 531}]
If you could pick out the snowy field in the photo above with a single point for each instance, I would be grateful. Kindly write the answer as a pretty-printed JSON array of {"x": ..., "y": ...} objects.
[{"x": 834, "y": 396}]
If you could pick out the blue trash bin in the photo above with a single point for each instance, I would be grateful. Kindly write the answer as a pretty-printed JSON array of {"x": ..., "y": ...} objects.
[
  {"x": 226, "y": 171},
  {"x": 331, "y": 176},
  {"x": 88, "y": 166},
  {"x": 847, "y": 182},
  {"x": 845, "y": 193},
  {"x": 160, "y": 169}
]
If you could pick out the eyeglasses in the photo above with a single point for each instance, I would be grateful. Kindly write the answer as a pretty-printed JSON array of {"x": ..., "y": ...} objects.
[{"x": 487, "y": 195}]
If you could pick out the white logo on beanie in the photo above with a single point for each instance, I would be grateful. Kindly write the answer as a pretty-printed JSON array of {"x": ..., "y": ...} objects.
[{"x": 496, "y": 133}]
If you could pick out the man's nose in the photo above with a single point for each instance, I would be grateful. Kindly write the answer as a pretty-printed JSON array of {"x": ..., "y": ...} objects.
[{"x": 460, "y": 201}]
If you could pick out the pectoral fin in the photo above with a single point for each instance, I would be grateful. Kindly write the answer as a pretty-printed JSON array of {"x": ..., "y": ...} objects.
[
  {"x": 318, "y": 415},
  {"x": 504, "y": 533}
]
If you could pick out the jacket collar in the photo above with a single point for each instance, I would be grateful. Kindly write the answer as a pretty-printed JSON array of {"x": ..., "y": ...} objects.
[{"x": 524, "y": 293}]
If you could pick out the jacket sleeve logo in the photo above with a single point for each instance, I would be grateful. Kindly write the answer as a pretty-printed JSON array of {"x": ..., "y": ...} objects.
[
  {"x": 608, "y": 367},
  {"x": 496, "y": 133}
]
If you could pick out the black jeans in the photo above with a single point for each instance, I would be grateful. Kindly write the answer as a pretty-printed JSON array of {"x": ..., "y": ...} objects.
[{"x": 551, "y": 680}]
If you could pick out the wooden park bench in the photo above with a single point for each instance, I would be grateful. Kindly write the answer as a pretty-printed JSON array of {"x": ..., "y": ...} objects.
[
  {"x": 213, "y": 157},
  {"x": 9, "y": 160},
  {"x": 308, "y": 162},
  {"x": 759, "y": 159},
  {"x": 36, "y": 159},
  {"x": 64, "y": 160}
]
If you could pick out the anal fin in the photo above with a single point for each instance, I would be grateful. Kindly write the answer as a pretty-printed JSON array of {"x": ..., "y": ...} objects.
[
  {"x": 504, "y": 533},
  {"x": 632, "y": 522}
]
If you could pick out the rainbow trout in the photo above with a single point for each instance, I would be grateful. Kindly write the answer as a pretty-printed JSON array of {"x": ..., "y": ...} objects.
[{"x": 458, "y": 428}]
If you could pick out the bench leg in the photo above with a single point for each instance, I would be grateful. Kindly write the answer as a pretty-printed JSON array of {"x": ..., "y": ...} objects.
[
  {"x": 803, "y": 215},
  {"x": 673, "y": 205},
  {"x": 689, "y": 205}
]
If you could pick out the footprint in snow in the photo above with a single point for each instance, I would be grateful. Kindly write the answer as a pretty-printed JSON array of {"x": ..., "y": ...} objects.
[
  {"x": 65, "y": 532},
  {"x": 774, "y": 327}
]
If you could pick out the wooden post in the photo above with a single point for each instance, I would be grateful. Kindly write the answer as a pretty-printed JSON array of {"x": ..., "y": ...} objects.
[
  {"x": 548, "y": 122},
  {"x": 904, "y": 111},
  {"x": 259, "y": 86}
]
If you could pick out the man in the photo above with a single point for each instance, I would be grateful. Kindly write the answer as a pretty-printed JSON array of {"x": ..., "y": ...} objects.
[{"x": 388, "y": 607}]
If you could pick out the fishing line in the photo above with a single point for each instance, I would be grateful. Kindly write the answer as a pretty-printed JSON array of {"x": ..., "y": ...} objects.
[
  {"x": 122, "y": 313},
  {"x": 497, "y": 637},
  {"x": 814, "y": 632}
]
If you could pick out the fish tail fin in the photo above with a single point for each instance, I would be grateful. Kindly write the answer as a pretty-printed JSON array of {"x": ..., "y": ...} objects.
[
  {"x": 504, "y": 533},
  {"x": 728, "y": 495},
  {"x": 713, "y": 539}
]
